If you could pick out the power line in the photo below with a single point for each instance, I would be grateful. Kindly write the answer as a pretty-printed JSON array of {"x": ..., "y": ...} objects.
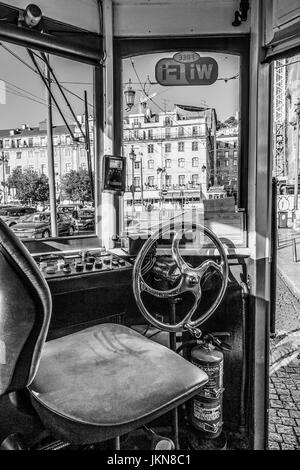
[
  {"x": 34, "y": 71},
  {"x": 21, "y": 95}
]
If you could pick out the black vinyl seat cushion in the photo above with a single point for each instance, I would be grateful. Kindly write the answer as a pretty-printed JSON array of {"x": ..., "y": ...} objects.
[{"x": 106, "y": 380}]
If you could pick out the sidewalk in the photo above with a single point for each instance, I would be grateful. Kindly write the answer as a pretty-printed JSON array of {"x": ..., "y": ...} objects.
[
  {"x": 288, "y": 269},
  {"x": 284, "y": 412}
]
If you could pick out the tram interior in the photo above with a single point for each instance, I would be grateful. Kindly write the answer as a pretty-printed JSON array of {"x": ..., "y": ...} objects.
[{"x": 148, "y": 327}]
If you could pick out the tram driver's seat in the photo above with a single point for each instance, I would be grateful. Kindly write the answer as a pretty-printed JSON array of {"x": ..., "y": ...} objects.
[{"x": 90, "y": 386}]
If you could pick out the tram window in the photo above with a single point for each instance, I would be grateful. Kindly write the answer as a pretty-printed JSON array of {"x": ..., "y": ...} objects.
[
  {"x": 25, "y": 135},
  {"x": 286, "y": 109},
  {"x": 194, "y": 127}
]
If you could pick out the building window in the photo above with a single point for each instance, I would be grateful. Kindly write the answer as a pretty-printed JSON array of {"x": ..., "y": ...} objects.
[
  {"x": 83, "y": 166},
  {"x": 168, "y": 180},
  {"x": 68, "y": 139},
  {"x": 195, "y": 161},
  {"x": 150, "y": 148},
  {"x": 195, "y": 130},
  {"x": 167, "y": 133},
  {"x": 43, "y": 169},
  {"x": 82, "y": 152},
  {"x": 180, "y": 146},
  {"x": 235, "y": 154},
  {"x": 181, "y": 162},
  {"x": 151, "y": 164},
  {"x": 167, "y": 148},
  {"x": 7, "y": 169},
  {"x": 167, "y": 121},
  {"x": 168, "y": 163},
  {"x": 136, "y": 122},
  {"x": 137, "y": 182},
  {"x": 150, "y": 133},
  {"x": 150, "y": 180},
  {"x": 226, "y": 154},
  {"x": 181, "y": 180},
  {"x": 67, "y": 152},
  {"x": 195, "y": 146},
  {"x": 19, "y": 155},
  {"x": 43, "y": 141},
  {"x": 180, "y": 131},
  {"x": 195, "y": 180},
  {"x": 226, "y": 163},
  {"x": 68, "y": 167},
  {"x": 136, "y": 165},
  {"x": 6, "y": 143}
]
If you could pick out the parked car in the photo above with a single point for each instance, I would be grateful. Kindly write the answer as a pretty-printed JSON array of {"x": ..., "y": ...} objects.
[
  {"x": 11, "y": 215},
  {"x": 38, "y": 225},
  {"x": 72, "y": 209},
  {"x": 86, "y": 219}
]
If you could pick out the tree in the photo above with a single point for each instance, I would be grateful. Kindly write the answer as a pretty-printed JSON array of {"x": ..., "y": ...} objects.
[
  {"x": 30, "y": 186},
  {"x": 76, "y": 185}
]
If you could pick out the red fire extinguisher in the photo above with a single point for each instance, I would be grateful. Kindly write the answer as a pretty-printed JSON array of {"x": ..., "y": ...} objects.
[{"x": 206, "y": 413}]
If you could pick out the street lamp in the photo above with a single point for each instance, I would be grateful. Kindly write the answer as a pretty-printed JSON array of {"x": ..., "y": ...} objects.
[
  {"x": 3, "y": 160},
  {"x": 132, "y": 157},
  {"x": 129, "y": 96}
]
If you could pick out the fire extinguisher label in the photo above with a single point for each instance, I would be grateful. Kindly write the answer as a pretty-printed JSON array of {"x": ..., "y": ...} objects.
[
  {"x": 208, "y": 419},
  {"x": 214, "y": 386}
]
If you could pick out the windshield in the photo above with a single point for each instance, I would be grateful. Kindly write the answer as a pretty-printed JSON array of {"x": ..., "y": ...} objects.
[{"x": 37, "y": 218}]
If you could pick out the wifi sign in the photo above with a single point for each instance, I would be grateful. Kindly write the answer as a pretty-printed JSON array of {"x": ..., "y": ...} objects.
[{"x": 186, "y": 68}]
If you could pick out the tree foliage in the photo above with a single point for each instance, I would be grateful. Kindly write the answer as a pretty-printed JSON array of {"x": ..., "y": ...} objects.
[
  {"x": 76, "y": 186},
  {"x": 30, "y": 186}
]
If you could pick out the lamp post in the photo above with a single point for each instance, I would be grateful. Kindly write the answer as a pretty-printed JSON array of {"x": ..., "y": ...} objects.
[
  {"x": 161, "y": 171},
  {"x": 297, "y": 157},
  {"x": 3, "y": 160},
  {"x": 142, "y": 180},
  {"x": 132, "y": 157}
]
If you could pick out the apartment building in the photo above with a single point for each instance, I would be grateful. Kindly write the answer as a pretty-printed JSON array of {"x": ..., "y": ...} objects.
[
  {"x": 26, "y": 148},
  {"x": 169, "y": 154}
]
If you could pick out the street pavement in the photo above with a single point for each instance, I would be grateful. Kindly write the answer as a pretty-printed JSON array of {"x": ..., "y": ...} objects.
[{"x": 284, "y": 412}]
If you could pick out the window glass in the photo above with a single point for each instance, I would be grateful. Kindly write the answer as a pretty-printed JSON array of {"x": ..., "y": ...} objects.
[
  {"x": 24, "y": 133},
  {"x": 187, "y": 130}
]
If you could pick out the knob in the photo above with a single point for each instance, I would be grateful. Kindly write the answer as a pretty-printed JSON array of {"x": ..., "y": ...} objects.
[
  {"x": 66, "y": 268},
  {"x": 79, "y": 267}
]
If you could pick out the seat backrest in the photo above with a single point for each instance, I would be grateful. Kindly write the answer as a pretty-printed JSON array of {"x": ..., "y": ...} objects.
[{"x": 25, "y": 311}]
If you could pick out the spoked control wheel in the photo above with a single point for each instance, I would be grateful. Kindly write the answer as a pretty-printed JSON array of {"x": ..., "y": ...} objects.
[{"x": 190, "y": 280}]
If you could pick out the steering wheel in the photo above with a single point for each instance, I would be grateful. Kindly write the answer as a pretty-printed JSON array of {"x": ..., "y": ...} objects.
[{"x": 190, "y": 280}]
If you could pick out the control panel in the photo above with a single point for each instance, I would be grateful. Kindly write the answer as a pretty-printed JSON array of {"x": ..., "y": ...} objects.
[
  {"x": 114, "y": 173},
  {"x": 64, "y": 264}
]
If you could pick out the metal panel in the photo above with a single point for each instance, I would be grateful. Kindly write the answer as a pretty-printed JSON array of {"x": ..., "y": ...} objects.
[
  {"x": 281, "y": 27},
  {"x": 154, "y": 18},
  {"x": 81, "y": 13}
]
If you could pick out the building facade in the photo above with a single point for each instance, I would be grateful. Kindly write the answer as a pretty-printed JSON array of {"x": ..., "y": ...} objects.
[
  {"x": 169, "y": 154},
  {"x": 26, "y": 148}
]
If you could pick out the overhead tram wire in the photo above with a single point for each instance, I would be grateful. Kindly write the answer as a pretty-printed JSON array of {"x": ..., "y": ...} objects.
[
  {"x": 38, "y": 99},
  {"x": 151, "y": 99},
  {"x": 51, "y": 94},
  {"x": 34, "y": 71}
]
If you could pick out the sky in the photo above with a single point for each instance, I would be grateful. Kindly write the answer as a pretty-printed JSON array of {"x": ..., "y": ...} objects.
[
  {"x": 224, "y": 97},
  {"x": 18, "y": 79}
]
